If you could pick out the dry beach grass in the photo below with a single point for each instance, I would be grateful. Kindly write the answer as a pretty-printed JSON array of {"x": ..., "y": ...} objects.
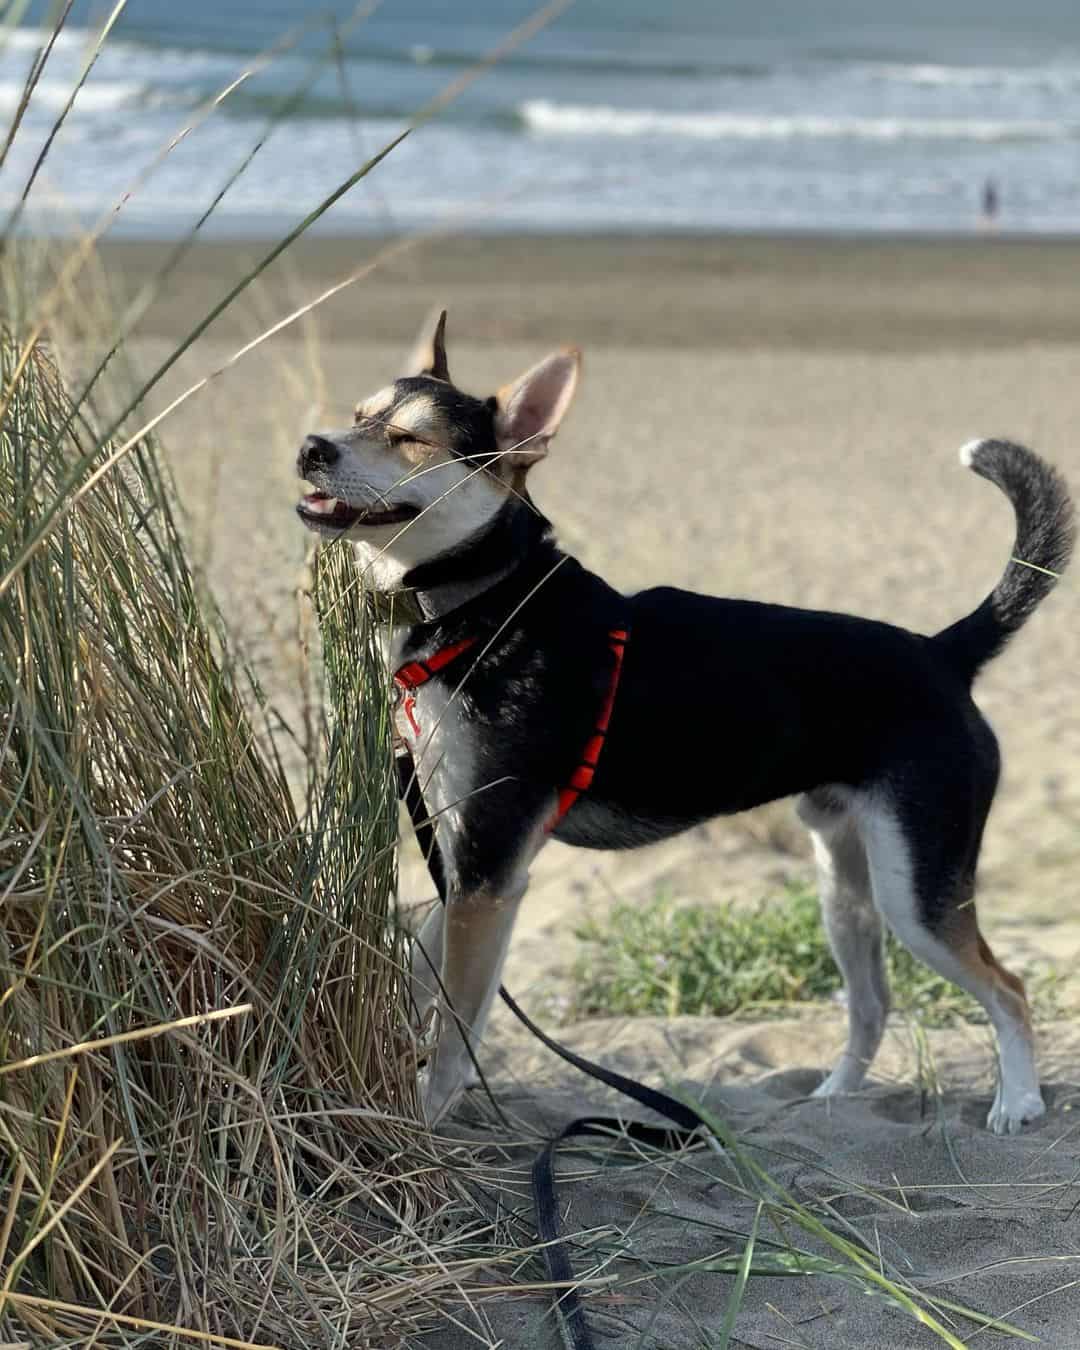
[{"x": 207, "y": 1118}]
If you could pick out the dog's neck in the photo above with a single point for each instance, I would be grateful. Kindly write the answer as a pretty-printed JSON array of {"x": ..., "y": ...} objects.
[
  {"x": 445, "y": 584},
  {"x": 439, "y": 602}
]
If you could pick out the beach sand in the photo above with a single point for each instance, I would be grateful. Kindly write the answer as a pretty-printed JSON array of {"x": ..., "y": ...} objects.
[{"x": 769, "y": 418}]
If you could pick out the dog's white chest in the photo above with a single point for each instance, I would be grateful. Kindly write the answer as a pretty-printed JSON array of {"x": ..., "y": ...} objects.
[
  {"x": 406, "y": 719},
  {"x": 430, "y": 723}
]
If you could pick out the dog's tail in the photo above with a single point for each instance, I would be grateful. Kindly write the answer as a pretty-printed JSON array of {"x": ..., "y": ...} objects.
[{"x": 1045, "y": 534}]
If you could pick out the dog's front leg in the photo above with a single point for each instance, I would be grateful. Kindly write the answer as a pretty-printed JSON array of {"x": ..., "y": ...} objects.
[
  {"x": 475, "y": 939},
  {"x": 425, "y": 968}
]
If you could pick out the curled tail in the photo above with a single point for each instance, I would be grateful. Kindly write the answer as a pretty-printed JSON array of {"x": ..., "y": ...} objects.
[{"x": 1044, "y": 541}]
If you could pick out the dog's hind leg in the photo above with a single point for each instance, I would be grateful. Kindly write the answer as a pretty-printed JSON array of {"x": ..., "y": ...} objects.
[
  {"x": 923, "y": 880},
  {"x": 853, "y": 928},
  {"x": 1018, "y": 1098}
]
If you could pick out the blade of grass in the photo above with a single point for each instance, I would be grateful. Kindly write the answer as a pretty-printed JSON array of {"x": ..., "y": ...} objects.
[
  {"x": 735, "y": 1298},
  {"x": 123, "y": 1038},
  {"x": 79, "y": 256},
  {"x": 138, "y": 1323}
]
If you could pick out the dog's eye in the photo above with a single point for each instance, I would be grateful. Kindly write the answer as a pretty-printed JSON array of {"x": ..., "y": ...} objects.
[{"x": 395, "y": 436}]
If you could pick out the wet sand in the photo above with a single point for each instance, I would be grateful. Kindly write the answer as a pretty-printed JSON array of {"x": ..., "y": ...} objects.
[{"x": 685, "y": 291}]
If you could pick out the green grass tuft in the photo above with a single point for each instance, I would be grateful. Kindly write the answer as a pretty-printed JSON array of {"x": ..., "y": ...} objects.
[{"x": 664, "y": 959}]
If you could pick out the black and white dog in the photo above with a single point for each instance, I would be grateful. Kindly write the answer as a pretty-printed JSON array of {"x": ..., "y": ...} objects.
[{"x": 539, "y": 701}]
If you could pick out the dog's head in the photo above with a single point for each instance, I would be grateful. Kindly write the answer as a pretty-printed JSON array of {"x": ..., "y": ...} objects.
[{"x": 425, "y": 466}]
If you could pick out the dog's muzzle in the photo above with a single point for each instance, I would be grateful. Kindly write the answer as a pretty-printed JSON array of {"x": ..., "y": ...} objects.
[{"x": 324, "y": 512}]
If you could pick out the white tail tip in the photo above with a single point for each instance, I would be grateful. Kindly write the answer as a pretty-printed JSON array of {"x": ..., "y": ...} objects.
[{"x": 967, "y": 452}]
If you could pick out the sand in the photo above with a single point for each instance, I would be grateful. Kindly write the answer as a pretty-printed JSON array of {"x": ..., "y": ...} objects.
[
  {"x": 909, "y": 1175},
  {"x": 767, "y": 418}
]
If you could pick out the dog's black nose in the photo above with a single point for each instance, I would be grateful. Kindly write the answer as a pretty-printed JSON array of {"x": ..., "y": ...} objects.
[{"x": 318, "y": 453}]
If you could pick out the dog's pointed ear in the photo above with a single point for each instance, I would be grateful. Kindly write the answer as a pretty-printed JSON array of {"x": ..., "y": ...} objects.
[
  {"x": 528, "y": 411},
  {"x": 428, "y": 356}
]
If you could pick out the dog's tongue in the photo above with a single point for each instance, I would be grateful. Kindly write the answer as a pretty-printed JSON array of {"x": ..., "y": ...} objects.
[{"x": 320, "y": 502}]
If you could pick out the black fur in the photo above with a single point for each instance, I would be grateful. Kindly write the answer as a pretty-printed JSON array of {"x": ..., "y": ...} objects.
[{"x": 511, "y": 533}]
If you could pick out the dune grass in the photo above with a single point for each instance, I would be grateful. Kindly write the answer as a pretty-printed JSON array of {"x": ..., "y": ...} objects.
[
  {"x": 663, "y": 959},
  {"x": 228, "y": 1174}
]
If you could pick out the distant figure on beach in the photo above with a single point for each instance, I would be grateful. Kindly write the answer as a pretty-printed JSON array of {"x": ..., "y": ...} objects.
[{"x": 990, "y": 204}]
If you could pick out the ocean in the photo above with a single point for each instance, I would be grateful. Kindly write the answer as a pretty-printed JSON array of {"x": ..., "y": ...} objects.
[{"x": 757, "y": 115}]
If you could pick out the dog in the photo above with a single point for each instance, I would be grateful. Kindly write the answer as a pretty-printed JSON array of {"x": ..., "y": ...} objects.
[{"x": 538, "y": 702}]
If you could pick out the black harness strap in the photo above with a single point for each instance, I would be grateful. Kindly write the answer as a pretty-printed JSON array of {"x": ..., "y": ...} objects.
[
  {"x": 545, "y": 1202},
  {"x": 423, "y": 826}
]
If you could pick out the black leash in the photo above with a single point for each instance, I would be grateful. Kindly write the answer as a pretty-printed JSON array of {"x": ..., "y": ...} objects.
[{"x": 686, "y": 1120}]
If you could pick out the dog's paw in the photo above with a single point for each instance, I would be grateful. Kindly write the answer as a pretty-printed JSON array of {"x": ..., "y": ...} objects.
[
  {"x": 1010, "y": 1113},
  {"x": 439, "y": 1093},
  {"x": 846, "y": 1077}
]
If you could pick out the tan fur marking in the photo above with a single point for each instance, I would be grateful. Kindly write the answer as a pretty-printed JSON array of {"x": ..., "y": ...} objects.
[
  {"x": 973, "y": 951},
  {"x": 420, "y": 415},
  {"x": 1013, "y": 982},
  {"x": 420, "y": 455},
  {"x": 513, "y": 477},
  {"x": 376, "y": 404}
]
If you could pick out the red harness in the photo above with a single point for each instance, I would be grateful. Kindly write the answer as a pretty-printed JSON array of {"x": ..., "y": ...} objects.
[{"x": 413, "y": 674}]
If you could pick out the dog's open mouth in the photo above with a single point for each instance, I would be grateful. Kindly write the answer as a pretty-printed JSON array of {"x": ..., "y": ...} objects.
[{"x": 332, "y": 512}]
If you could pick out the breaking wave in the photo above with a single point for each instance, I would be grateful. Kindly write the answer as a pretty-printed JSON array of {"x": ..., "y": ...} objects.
[
  {"x": 543, "y": 117},
  {"x": 51, "y": 95}
]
